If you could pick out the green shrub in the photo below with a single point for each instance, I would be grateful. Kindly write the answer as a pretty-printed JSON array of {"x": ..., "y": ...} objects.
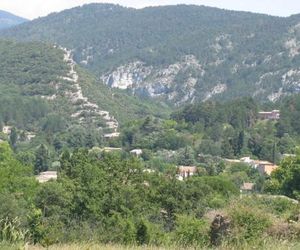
[
  {"x": 248, "y": 224},
  {"x": 190, "y": 231},
  {"x": 11, "y": 231}
]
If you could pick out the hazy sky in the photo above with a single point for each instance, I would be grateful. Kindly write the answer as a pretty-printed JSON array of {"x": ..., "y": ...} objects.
[{"x": 35, "y": 8}]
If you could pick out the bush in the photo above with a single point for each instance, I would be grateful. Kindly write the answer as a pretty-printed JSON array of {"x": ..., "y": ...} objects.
[
  {"x": 190, "y": 231},
  {"x": 142, "y": 233},
  {"x": 248, "y": 224},
  {"x": 11, "y": 231}
]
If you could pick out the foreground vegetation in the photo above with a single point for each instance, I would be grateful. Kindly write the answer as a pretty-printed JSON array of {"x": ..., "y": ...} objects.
[
  {"x": 110, "y": 199},
  {"x": 277, "y": 245}
]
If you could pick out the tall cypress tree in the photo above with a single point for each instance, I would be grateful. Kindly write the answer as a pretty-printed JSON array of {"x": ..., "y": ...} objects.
[{"x": 42, "y": 159}]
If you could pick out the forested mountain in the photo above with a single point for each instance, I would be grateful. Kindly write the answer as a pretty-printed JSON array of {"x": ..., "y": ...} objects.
[
  {"x": 178, "y": 53},
  {"x": 8, "y": 20}
]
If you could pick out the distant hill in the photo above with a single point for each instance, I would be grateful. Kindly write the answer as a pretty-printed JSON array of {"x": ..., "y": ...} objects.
[
  {"x": 8, "y": 20},
  {"x": 178, "y": 54}
]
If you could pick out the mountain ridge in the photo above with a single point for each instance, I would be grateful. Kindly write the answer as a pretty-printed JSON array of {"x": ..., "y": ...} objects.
[
  {"x": 8, "y": 20},
  {"x": 236, "y": 53}
]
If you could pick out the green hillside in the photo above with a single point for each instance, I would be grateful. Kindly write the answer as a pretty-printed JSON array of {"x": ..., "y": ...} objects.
[{"x": 39, "y": 96}]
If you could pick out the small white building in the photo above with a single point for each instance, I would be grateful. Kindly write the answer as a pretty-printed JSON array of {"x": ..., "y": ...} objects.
[
  {"x": 269, "y": 115},
  {"x": 264, "y": 167},
  {"x": 136, "y": 152},
  {"x": 247, "y": 187},
  {"x": 46, "y": 176},
  {"x": 186, "y": 171},
  {"x": 110, "y": 149},
  {"x": 7, "y": 130},
  {"x": 112, "y": 135}
]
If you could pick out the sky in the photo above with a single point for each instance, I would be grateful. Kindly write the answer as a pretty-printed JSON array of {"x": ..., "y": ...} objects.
[{"x": 36, "y": 8}]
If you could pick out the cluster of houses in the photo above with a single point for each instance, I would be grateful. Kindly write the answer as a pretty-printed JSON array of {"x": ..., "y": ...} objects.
[
  {"x": 264, "y": 167},
  {"x": 27, "y": 135}
]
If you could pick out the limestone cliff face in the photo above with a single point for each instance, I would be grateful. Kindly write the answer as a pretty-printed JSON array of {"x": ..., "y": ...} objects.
[
  {"x": 158, "y": 82},
  {"x": 271, "y": 76}
]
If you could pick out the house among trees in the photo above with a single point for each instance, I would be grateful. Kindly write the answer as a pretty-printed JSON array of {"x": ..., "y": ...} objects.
[
  {"x": 46, "y": 176},
  {"x": 269, "y": 115},
  {"x": 265, "y": 167},
  {"x": 136, "y": 152},
  {"x": 247, "y": 187},
  {"x": 110, "y": 149},
  {"x": 6, "y": 130},
  {"x": 186, "y": 171},
  {"x": 112, "y": 135},
  {"x": 105, "y": 149}
]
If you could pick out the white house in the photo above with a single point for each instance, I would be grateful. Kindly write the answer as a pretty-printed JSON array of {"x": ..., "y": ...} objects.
[
  {"x": 186, "y": 171},
  {"x": 269, "y": 115},
  {"x": 136, "y": 152},
  {"x": 46, "y": 176},
  {"x": 112, "y": 135},
  {"x": 7, "y": 130}
]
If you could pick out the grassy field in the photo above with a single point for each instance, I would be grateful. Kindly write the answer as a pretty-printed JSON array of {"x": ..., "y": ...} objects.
[{"x": 268, "y": 245}]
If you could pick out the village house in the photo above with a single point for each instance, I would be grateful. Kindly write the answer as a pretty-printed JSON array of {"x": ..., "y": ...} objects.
[
  {"x": 186, "y": 171},
  {"x": 105, "y": 149},
  {"x": 247, "y": 187},
  {"x": 136, "y": 152},
  {"x": 112, "y": 125},
  {"x": 271, "y": 115},
  {"x": 6, "y": 130},
  {"x": 265, "y": 167},
  {"x": 46, "y": 176},
  {"x": 112, "y": 135},
  {"x": 110, "y": 149}
]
